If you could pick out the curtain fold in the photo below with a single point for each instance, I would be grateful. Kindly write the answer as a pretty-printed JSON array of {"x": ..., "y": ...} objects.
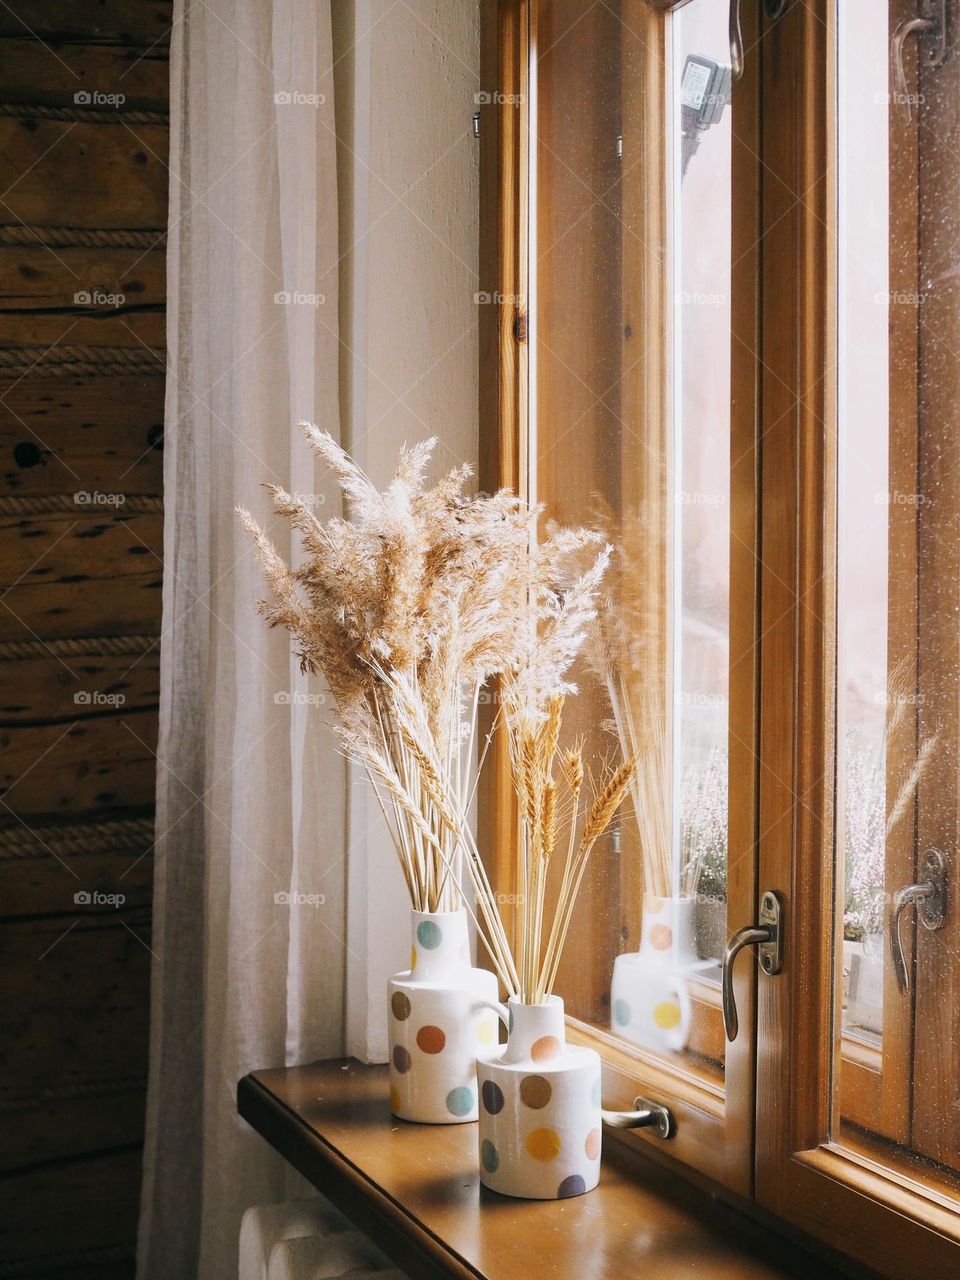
[
  {"x": 287, "y": 299},
  {"x": 249, "y": 935}
]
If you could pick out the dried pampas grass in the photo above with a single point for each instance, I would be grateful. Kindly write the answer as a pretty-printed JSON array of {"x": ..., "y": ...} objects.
[{"x": 407, "y": 608}]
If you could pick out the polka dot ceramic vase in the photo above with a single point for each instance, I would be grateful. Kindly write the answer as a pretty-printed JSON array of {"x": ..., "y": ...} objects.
[
  {"x": 440, "y": 1018},
  {"x": 539, "y": 1109},
  {"x": 649, "y": 997}
]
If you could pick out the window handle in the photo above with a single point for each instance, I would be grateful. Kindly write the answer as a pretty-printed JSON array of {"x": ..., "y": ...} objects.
[
  {"x": 767, "y": 934},
  {"x": 645, "y": 1115},
  {"x": 775, "y": 9},
  {"x": 929, "y": 896},
  {"x": 930, "y": 24}
]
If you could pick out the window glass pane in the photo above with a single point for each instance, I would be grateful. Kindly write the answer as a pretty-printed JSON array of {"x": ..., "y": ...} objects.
[
  {"x": 630, "y": 380},
  {"x": 899, "y": 587}
]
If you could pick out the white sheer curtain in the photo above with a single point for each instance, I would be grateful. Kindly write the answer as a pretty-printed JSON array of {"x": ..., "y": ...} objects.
[
  {"x": 377, "y": 338},
  {"x": 251, "y": 791}
]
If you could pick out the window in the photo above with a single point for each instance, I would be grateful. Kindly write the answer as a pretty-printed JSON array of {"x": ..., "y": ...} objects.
[{"x": 726, "y": 328}]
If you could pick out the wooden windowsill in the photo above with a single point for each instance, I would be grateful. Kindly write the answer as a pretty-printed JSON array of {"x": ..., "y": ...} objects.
[{"x": 414, "y": 1189}]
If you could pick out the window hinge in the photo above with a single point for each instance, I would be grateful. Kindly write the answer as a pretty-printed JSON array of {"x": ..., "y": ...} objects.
[{"x": 476, "y": 124}]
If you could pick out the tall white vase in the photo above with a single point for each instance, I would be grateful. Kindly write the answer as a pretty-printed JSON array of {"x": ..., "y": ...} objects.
[
  {"x": 649, "y": 998},
  {"x": 539, "y": 1109},
  {"x": 440, "y": 1018}
]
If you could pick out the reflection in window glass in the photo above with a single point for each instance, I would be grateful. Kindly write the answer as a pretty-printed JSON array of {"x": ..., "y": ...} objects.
[
  {"x": 898, "y": 372},
  {"x": 630, "y": 362}
]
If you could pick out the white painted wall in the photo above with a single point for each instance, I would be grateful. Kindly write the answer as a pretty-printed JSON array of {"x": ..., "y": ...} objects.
[{"x": 406, "y": 75}]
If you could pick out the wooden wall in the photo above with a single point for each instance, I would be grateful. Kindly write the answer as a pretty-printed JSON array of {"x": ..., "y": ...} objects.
[{"x": 83, "y": 206}]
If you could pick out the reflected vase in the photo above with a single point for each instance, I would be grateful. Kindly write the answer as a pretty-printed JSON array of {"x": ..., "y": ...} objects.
[
  {"x": 439, "y": 1017},
  {"x": 539, "y": 1108},
  {"x": 649, "y": 994}
]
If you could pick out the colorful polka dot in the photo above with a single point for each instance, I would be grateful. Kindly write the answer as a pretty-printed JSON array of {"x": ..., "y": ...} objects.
[
  {"x": 595, "y": 1092},
  {"x": 545, "y": 1048},
  {"x": 413, "y": 957},
  {"x": 429, "y": 935},
  {"x": 667, "y": 1015},
  {"x": 535, "y": 1092},
  {"x": 400, "y": 1004},
  {"x": 653, "y": 905},
  {"x": 572, "y": 1186},
  {"x": 621, "y": 1012},
  {"x": 401, "y": 1058},
  {"x": 492, "y": 1096},
  {"x": 661, "y": 936},
  {"x": 431, "y": 1039},
  {"x": 592, "y": 1145},
  {"x": 394, "y": 1099},
  {"x": 460, "y": 1101},
  {"x": 543, "y": 1144},
  {"x": 489, "y": 1156},
  {"x": 487, "y": 1031}
]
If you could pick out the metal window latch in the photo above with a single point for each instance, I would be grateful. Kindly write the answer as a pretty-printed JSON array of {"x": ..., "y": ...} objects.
[
  {"x": 645, "y": 1115},
  {"x": 929, "y": 896},
  {"x": 767, "y": 934},
  {"x": 932, "y": 26}
]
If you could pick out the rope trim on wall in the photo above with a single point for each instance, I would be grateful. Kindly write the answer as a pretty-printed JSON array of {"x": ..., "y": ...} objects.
[
  {"x": 83, "y": 114},
  {"x": 67, "y": 1092},
  {"x": 81, "y": 237},
  {"x": 84, "y": 647},
  {"x": 64, "y": 362},
  {"x": 43, "y": 504},
  {"x": 127, "y": 834}
]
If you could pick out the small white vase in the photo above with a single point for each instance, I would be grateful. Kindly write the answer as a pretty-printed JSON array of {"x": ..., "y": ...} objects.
[
  {"x": 539, "y": 1108},
  {"x": 649, "y": 997},
  {"x": 439, "y": 1016}
]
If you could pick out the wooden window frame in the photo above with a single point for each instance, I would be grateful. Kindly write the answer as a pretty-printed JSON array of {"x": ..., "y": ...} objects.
[
  {"x": 715, "y": 1119},
  {"x": 777, "y": 1101}
]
